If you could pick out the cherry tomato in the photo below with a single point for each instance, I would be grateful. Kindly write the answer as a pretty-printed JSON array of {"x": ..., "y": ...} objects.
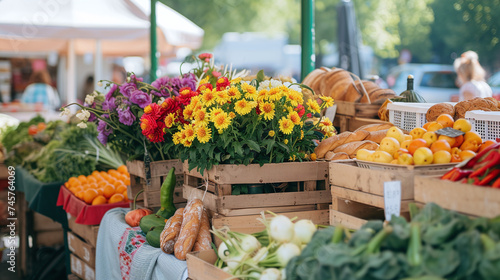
[{"x": 32, "y": 130}]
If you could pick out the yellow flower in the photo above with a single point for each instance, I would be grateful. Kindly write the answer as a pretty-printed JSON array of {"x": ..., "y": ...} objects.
[
  {"x": 203, "y": 134},
  {"x": 271, "y": 133},
  {"x": 262, "y": 95},
  {"x": 250, "y": 90},
  {"x": 195, "y": 100},
  {"x": 301, "y": 135},
  {"x": 313, "y": 157},
  {"x": 285, "y": 141},
  {"x": 292, "y": 158},
  {"x": 208, "y": 97},
  {"x": 236, "y": 81},
  {"x": 295, "y": 97},
  {"x": 169, "y": 120},
  {"x": 221, "y": 121},
  {"x": 313, "y": 105},
  {"x": 221, "y": 97},
  {"x": 327, "y": 101},
  {"x": 185, "y": 91},
  {"x": 243, "y": 106},
  {"x": 176, "y": 138},
  {"x": 267, "y": 110},
  {"x": 232, "y": 115},
  {"x": 274, "y": 94},
  {"x": 148, "y": 109},
  {"x": 294, "y": 117},
  {"x": 203, "y": 81},
  {"x": 189, "y": 132},
  {"x": 325, "y": 121},
  {"x": 201, "y": 117},
  {"x": 215, "y": 112},
  {"x": 234, "y": 93},
  {"x": 188, "y": 112},
  {"x": 286, "y": 125},
  {"x": 187, "y": 143}
]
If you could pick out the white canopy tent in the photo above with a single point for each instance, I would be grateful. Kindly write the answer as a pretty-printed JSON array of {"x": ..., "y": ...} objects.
[{"x": 104, "y": 27}]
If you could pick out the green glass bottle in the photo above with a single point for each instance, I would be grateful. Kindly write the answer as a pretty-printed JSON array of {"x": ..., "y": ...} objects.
[{"x": 410, "y": 95}]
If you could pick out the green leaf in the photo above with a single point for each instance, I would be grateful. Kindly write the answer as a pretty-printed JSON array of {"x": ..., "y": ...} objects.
[
  {"x": 270, "y": 144},
  {"x": 253, "y": 145},
  {"x": 261, "y": 76},
  {"x": 287, "y": 149},
  {"x": 237, "y": 148},
  {"x": 226, "y": 157},
  {"x": 217, "y": 157}
]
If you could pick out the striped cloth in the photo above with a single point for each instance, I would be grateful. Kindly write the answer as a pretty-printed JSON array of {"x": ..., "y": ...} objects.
[{"x": 41, "y": 93}]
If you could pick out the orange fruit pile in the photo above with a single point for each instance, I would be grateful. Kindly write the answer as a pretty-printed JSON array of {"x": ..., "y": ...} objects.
[{"x": 101, "y": 187}]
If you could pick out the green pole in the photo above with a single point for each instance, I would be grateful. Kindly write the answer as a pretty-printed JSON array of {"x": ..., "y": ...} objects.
[
  {"x": 152, "y": 35},
  {"x": 307, "y": 38}
]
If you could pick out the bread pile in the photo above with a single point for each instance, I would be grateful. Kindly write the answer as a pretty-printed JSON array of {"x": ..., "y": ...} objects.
[
  {"x": 187, "y": 230},
  {"x": 458, "y": 111},
  {"x": 346, "y": 144},
  {"x": 339, "y": 84}
]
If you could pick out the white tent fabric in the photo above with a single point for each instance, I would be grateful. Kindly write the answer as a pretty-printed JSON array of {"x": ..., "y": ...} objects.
[{"x": 104, "y": 27}]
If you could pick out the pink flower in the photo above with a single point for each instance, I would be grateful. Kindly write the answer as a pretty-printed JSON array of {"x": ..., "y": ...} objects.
[
  {"x": 205, "y": 56},
  {"x": 216, "y": 74}
]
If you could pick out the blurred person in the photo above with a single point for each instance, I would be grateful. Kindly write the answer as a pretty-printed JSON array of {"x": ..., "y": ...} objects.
[
  {"x": 88, "y": 88},
  {"x": 41, "y": 91},
  {"x": 471, "y": 77}
]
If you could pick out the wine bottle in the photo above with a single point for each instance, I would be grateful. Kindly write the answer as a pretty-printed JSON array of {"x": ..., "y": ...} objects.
[{"x": 410, "y": 95}]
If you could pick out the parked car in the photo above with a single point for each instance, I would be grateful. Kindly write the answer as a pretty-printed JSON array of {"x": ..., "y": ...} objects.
[
  {"x": 494, "y": 82},
  {"x": 434, "y": 82}
]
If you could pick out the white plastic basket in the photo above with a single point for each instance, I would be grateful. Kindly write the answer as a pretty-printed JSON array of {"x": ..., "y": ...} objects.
[
  {"x": 427, "y": 170},
  {"x": 407, "y": 116},
  {"x": 485, "y": 123}
]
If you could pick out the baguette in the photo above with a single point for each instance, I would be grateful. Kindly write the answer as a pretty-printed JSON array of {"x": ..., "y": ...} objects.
[
  {"x": 336, "y": 156},
  {"x": 204, "y": 239},
  {"x": 331, "y": 143},
  {"x": 357, "y": 136},
  {"x": 377, "y": 136},
  {"x": 171, "y": 231},
  {"x": 353, "y": 147},
  {"x": 189, "y": 230},
  {"x": 375, "y": 127}
]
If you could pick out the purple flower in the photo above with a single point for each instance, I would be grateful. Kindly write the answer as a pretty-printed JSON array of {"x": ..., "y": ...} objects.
[
  {"x": 167, "y": 85},
  {"x": 127, "y": 88},
  {"x": 104, "y": 132},
  {"x": 141, "y": 98},
  {"x": 134, "y": 79},
  {"x": 92, "y": 116},
  {"x": 163, "y": 84},
  {"x": 111, "y": 91},
  {"x": 109, "y": 104},
  {"x": 125, "y": 116}
]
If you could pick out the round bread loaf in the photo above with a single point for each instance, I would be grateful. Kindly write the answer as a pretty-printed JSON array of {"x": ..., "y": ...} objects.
[{"x": 438, "y": 109}]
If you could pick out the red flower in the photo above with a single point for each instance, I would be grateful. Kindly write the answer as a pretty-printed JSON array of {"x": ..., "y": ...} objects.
[
  {"x": 309, "y": 115},
  {"x": 205, "y": 56},
  {"x": 171, "y": 105},
  {"x": 205, "y": 86},
  {"x": 257, "y": 110},
  {"x": 300, "y": 110},
  {"x": 222, "y": 83}
]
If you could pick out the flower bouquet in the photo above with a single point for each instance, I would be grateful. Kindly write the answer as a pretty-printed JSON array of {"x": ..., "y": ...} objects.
[{"x": 119, "y": 115}]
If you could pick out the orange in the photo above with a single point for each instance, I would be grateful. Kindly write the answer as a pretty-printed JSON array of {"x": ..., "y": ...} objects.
[
  {"x": 91, "y": 179},
  {"x": 446, "y": 120},
  {"x": 124, "y": 177},
  {"x": 73, "y": 180},
  {"x": 76, "y": 190},
  {"x": 450, "y": 140},
  {"x": 458, "y": 141},
  {"x": 99, "y": 200},
  {"x": 426, "y": 125},
  {"x": 466, "y": 154},
  {"x": 102, "y": 184},
  {"x": 440, "y": 145},
  {"x": 471, "y": 135},
  {"x": 89, "y": 195},
  {"x": 117, "y": 197},
  {"x": 104, "y": 175},
  {"x": 470, "y": 145},
  {"x": 80, "y": 194},
  {"x": 434, "y": 126},
  {"x": 456, "y": 158},
  {"x": 100, "y": 191},
  {"x": 96, "y": 173},
  {"x": 82, "y": 179},
  {"x": 125, "y": 195},
  {"x": 108, "y": 191},
  {"x": 455, "y": 151},
  {"x": 93, "y": 186},
  {"x": 121, "y": 189},
  {"x": 127, "y": 182},
  {"x": 485, "y": 145},
  {"x": 114, "y": 173},
  {"x": 118, "y": 183},
  {"x": 85, "y": 186},
  {"x": 415, "y": 144},
  {"x": 122, "y": 169}
]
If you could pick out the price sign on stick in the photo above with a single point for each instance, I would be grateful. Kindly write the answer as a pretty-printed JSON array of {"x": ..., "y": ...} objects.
[{"x": 392, "y": 199}]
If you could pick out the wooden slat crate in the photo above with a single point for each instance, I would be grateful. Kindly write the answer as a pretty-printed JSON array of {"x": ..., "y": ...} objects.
[
  {"x": 312, "y": 178},
  {"x": 86, "y": 232},
  {"x": 81, "y": 269},
  {"x": 80, "y": 248},
  {"x": 464, "y": 198},
  {"x": 159, "y": 170}
]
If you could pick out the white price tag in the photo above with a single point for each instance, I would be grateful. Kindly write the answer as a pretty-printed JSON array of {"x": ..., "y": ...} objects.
[
  {"x": 392, "y": 199},
  {"x": 330, "y": 112}
]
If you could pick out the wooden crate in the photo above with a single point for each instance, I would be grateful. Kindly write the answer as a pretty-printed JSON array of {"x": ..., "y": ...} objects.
[
  {"x": 464, "y": 198},
  {"x": 200, "y": 266},
  {"x": 81, "y": 249},
  {"x": 159, "y": 170},
  {"x": 312, "y": 178},
  {"x": 81, "y": 269},
  {"x": 360, "y": 110},
  {"x": 88, "y": 233}
]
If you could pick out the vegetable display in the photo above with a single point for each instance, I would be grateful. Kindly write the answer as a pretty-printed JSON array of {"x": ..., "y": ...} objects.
[
  {"x": 263, "y": 255},
  {"x": 481, "y": 170},
  {"x": 437, "y": 244}
]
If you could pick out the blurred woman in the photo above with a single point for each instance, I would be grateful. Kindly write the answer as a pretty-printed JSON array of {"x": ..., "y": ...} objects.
[
  {"x": 41, "y": 91},
  {"x": 471, "y": 76}
]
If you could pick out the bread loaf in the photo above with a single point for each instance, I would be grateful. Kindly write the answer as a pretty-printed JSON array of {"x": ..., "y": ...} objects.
[
  {"x": 357, "y": 136},
  {"x": 441, "y": 108},
  {"x": 171, "y": 231},
  {"x": 377, "y": 136},
  {"x": 189, "y": 230},
  {"x": 375, "y": 127},
  {"x": 352, "y": 147},
  {"x": 204, "y": 239},
  {"x": 336, "y": 156},
  {"x": 331, "y": 143}
]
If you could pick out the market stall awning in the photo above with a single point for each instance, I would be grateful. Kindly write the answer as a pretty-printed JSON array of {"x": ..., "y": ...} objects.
[{"x": 121, "y": 25}]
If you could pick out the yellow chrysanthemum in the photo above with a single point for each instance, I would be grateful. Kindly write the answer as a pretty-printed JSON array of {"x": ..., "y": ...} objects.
[
  {"x": 234, "y": 93},
  {"x": 215, "y": 112},
  {"x": 221, "y": 121},
  {"x": 221, "y": 97},
  {"x": 188, "y": 112},
  {"x": 195, "y": 100},
  {"x": 262, "y": 95},
  {"x": 201, "y": 117},
  {"x": 232, "y": 115},
  {"x": 250, "y": 90},
  {"x": 325, "y": 121},
  {"x": 327, "y": 101},
  {"x": 203, "y": 134},
  {"x": 169, "y": 120},
  {"x": 295, "y": 97},
  {"x": 176, "y": 138},
  {"x": 292, "y": 158},
  {"x": 208, "y": 97},
  {"x": 294, "y": 117},
  {"x": 274, "y": 94},
  {"x": 286, "y": 125},
  {"x": 267, "y": 110},
  {"x": 187, "y": 143},
  {"x": 271, "y": 133},
  {"x": 203, "y": 81},
  {"x": 313, "y": 105},
  {"x": 189, "y": 132},
  {"x": 244, "y": 106},
  {"x": 236, "y": 81},
  {"x": 285, "y": 141}
]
